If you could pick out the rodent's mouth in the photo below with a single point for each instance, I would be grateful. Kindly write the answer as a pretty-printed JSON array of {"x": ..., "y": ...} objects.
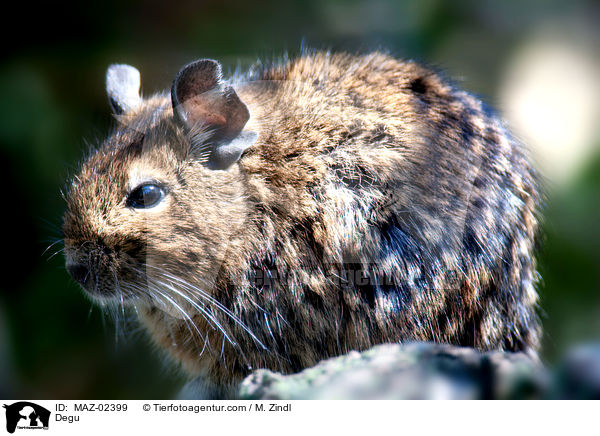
[
  {"x": 108, "y": 278},
  {"x": 103, "y": 273},
  {"x": 107, "y": 293},
  {"x": 122, "y": 295},
  {"x": 103, "y": 283},
  {"x": 97, "y": 287},
  {"x": 104, "y": 291},
  {"x": 86, "y": 277}
]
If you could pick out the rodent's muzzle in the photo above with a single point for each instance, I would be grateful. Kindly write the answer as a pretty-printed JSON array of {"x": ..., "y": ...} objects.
[
  {"x": 85, "y": 274},
  {"x": 80, "y": 273},
  {"x": 92, "y": 267}
]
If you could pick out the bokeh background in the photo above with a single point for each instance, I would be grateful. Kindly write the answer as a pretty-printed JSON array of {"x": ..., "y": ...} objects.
[{"x": 536, "y": 61}]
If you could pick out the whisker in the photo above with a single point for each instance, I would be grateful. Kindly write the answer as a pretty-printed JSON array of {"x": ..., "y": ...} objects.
[
  {"x": 55, "y": 253},
  {"x": 202, "y": 294},
  {"x": 52, "y": 245},
  {"x": 268, "y": 325},
  {"x": 179, "y": 308},
  {"x": 203, "y": 310},
  {"x": 188, "y": 322},
  {"x": 153, "y": 290},
  {"x": 172, "y": 291}
]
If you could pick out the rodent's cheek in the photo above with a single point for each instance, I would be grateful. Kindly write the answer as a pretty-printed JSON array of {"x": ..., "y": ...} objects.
[{"x": 174, "y": 309}]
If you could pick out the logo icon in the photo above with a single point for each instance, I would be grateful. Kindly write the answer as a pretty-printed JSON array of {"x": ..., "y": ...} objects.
[{"x": 26, "y": 415}]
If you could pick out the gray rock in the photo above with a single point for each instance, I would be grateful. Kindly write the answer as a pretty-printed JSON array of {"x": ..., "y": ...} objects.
[
  {"x": 406, "y": 371},
  {"x": 578, "y": 375}
]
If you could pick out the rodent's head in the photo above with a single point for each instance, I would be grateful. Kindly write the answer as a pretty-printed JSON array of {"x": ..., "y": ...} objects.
[{"x": 161, "y": 199}]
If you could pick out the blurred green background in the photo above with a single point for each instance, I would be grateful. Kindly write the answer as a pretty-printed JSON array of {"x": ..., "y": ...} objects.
[{"x": 535, "y": 61}]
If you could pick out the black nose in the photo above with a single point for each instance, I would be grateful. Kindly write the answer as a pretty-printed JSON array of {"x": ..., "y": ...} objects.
[{"x": 79, "y": 272}]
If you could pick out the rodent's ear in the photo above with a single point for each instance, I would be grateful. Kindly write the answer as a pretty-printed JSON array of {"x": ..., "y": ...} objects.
[
  {"x": 200, "y": 98},
  {"x": 226, "y": 154},
  {"x": 123, "y": 88}
]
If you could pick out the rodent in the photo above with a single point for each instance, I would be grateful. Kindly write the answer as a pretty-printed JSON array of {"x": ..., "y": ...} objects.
[{"x": 306, "y": 208}]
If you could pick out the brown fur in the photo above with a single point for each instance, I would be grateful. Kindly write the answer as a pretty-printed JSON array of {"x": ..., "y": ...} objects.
[{"x": 364, "y": 165}]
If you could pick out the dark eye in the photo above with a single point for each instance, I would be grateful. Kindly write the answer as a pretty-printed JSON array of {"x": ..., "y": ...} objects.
[{"x": 145, "y": 196}]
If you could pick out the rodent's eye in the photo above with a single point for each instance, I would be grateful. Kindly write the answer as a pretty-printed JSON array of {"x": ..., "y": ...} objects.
[{"x": 145, "y": 196}]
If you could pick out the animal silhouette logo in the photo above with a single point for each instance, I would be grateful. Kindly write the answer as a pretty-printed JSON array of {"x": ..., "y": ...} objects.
[{"x": 26, "y": 415}]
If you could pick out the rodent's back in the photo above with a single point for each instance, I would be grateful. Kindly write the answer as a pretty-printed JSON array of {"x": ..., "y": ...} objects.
[
  {"x": 378, "y": 204},
  {"x": 382, "y": 166}
]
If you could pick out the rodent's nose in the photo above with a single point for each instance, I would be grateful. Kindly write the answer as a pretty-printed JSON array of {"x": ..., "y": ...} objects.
[{"x": 80, "y": 273}]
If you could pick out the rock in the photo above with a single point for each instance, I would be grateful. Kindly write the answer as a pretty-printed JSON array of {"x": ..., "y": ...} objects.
[
  {"x": 578, "y": 375},
  {"x": 406, "y": 371}
]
